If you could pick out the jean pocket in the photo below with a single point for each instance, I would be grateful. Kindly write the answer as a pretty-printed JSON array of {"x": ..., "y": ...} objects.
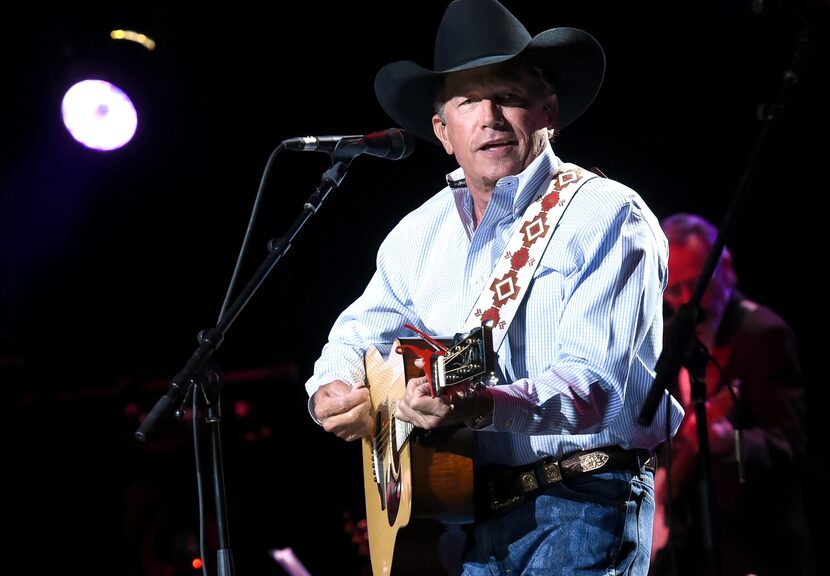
[{"x": 643, "y": 488}]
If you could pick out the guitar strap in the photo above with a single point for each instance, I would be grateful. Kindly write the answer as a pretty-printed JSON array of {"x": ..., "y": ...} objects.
[{"x": 513, "y": 272}]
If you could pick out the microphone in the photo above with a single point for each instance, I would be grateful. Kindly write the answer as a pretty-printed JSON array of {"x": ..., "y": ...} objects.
[{"x": 393, "y": 144}]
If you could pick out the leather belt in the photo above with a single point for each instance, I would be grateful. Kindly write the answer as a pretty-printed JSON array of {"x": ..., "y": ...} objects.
[{"x": 506, "y": 487}]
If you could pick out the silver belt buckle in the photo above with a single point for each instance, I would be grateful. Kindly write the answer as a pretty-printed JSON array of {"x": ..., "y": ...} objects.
[{"x": 586, "y": 462}]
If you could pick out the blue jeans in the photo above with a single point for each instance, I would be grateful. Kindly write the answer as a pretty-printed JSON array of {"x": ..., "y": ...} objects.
[{"x": 584, "y": 525}]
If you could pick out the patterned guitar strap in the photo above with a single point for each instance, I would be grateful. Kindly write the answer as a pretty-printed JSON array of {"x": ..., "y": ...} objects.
[{"x": 513, "y": 272}]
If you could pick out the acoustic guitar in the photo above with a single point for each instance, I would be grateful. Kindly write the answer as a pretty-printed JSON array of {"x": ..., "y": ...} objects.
[{"x": 409, "y": 473}]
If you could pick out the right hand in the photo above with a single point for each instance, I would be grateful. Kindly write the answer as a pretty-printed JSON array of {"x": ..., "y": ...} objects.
[{"x": 343, "y": 410}]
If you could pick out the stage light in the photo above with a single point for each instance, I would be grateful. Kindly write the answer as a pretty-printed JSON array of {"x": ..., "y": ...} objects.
[
  {"x": 107, "y": 89},
  {"x": 136, "y": 37},
  {"x": 99, "y": 115}
]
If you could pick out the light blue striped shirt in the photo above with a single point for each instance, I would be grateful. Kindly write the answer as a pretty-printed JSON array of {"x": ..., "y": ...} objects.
[{"x": 578, "y": 359}]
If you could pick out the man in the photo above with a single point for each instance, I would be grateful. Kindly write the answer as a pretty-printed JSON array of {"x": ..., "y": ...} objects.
[
  {"x": 758, "y": 523},
  {"x": 565, "y": 472}
]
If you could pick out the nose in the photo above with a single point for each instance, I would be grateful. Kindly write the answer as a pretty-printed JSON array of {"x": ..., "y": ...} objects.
[{"x": 492, "y": 115}]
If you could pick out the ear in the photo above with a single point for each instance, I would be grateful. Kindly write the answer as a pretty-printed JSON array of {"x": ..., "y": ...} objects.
[
  {"x": 727, "y": 267},
  {"x": 552, "y": 110},
  {"x": 440, "y": 130}
]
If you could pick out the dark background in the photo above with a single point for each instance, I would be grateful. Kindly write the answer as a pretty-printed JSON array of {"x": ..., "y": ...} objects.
[{"x": 112, "y": 263}]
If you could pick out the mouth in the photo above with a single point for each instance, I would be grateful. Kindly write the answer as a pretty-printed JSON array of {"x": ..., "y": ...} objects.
[{"x": 496, "y": 145}]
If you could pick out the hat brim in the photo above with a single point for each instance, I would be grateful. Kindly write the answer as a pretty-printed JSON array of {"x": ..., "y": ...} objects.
[{"x": 571, "y": 59}]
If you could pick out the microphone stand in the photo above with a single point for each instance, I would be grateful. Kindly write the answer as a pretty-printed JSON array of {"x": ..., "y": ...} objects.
[
  {"x": 695, "y": 362},
  {"x": 683, "y": 324},
  {"x": 212, "y": 389},
  {"x": 186, "y": 381},
  {"x": 210, "y": 340},
  {"x": 678, "y": 348}
]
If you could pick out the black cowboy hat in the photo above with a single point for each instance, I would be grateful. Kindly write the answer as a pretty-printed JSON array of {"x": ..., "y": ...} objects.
[{"x": 476, "y": 33}]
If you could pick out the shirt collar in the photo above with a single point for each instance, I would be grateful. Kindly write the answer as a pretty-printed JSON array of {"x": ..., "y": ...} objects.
[{"x": 524, "y": 186}]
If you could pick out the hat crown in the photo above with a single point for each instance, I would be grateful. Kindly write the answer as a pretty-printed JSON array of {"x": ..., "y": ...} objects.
[{"x": 475, "y": 29}]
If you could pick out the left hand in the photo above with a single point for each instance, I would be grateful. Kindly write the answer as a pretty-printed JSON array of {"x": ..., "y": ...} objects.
[{"x": 424, "y": 411}]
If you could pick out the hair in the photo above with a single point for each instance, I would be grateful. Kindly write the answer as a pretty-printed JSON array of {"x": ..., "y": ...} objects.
[{"x": 683, "y": 225}]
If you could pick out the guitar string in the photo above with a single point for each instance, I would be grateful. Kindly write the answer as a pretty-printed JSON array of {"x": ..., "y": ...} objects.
[{"x": 384, "y": 438}]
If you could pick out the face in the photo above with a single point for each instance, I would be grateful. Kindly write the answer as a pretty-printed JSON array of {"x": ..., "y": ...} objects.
[
  {"x": 686, "y": 262},
  {"x": 496, "y": 122}
]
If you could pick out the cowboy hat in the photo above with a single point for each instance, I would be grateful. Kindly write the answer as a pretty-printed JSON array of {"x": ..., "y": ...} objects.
[{"x": 475, "y": 33}]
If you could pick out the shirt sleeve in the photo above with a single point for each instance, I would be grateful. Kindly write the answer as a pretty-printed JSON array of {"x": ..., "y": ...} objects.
[{"x": 606, "y": 304}]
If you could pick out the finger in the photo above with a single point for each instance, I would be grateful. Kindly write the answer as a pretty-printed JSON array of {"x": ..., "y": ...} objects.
[
  {"x": 422, "y": 401},
  {"x": 406, "y": 414},
  {"x": 424, "y": 412},
  {"x": 417, "y": 387},
  {"x": 357, "y": 420},
  {"x": 341, "y": 404},
  {"x": 402, "y": 408},
  {"x": 346, "y": 426},
  {"x": 349, "y": 435},
  {"x": 417, "y": 381}
]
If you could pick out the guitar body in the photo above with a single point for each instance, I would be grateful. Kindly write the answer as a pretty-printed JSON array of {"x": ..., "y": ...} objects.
[{"x": 414, "y": 481}]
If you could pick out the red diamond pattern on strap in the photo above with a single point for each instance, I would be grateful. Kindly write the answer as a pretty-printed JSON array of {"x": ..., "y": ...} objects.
[
  {"x": 535, "y": 229},
  {"x": 505, "y": 289},
  {"x": 501, "y": 297}
]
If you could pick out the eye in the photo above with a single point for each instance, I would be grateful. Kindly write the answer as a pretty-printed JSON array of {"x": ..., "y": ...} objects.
[{"x": 511, "y": 99}]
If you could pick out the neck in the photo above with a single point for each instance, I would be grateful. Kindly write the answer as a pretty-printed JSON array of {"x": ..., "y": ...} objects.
[
  {"x": 479, "y": 207},
  {"x": 481, "y": 194}
]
